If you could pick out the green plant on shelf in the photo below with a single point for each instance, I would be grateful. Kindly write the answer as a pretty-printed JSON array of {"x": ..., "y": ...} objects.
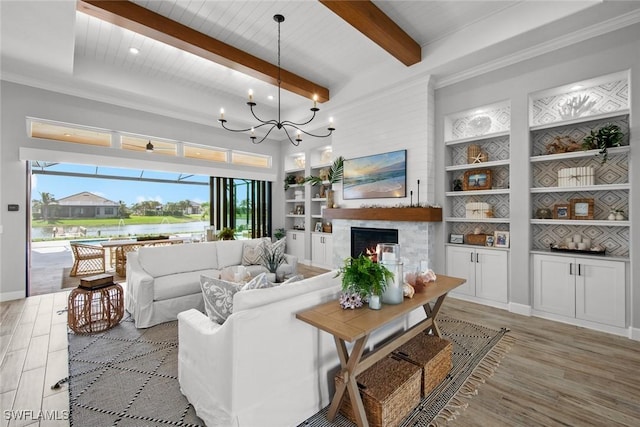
[{"x": 602, "y": 139}]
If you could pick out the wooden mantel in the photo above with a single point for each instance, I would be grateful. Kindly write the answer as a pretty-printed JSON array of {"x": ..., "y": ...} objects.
[{"x": 386, "y": 214}]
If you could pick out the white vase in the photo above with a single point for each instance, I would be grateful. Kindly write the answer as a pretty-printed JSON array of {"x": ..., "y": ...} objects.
[
  {"x": 612, "y": 217},
  {"x": 374, "y": 302},
  {"x": 619, "y": 216}
]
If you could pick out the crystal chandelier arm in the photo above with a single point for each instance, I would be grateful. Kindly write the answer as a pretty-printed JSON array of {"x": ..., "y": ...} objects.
[{"x": 330, "y": 131}]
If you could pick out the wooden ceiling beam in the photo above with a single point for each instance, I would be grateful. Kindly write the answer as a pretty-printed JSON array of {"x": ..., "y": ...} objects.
[
  {"x": 150, "y": 24},
  {"x": 365, "y": 17}
]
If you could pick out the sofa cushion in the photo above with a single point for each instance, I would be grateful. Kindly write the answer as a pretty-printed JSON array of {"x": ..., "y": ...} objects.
[
  {"x": 218, "y": 297},
  {"x": 180, "y": 284},
  {"x": 178, "y": 258},
  {"x": 230, "y": 251},
  {"x": 258, "y": 297}
]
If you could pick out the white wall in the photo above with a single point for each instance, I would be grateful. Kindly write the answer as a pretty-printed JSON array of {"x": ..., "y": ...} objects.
[
  {"x": 19, "y": 102},
  {"x": 613, "y": 52}
]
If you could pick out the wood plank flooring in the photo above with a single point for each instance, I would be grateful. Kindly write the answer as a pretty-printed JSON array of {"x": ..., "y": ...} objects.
[{"x": 554, "y": 375}]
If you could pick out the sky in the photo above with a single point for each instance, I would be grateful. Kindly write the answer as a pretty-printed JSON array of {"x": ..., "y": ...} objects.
[{"x": 130, "y": 192}]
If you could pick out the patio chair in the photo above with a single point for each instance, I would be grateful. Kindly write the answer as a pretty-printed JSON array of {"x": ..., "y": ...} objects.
[
  {"x": 87, "y": 259},
  {"x": 121, "y": 257}
]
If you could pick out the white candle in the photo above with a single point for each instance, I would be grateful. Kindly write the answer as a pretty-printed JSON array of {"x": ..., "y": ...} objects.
[{"x": 222, "y": 113}]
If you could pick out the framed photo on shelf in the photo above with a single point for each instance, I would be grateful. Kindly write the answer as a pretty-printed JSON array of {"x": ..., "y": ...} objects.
[
  {"x": 456, "y": 238},
  {"x": 501, "y": 239},
  {"x": 477, "y": 179},
  {"x": 582, "y": 208},
  {"x": 489, "y": 240},
  {"x": 562, "y": 211},
  {"x": 318, "y": 228}
]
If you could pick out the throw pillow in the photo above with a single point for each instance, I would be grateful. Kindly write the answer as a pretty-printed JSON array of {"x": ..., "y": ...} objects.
[
  {"x": 258, "y": 282},
  {"x": 252, "y": 254},
  {"x": 293, "y": 279},
  {"x": 218, "y": 297}
]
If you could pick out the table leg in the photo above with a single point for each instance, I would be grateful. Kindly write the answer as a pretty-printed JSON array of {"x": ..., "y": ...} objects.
[
  {"x": 349, "y": 363},
  {"x": 432, "y": 312}
]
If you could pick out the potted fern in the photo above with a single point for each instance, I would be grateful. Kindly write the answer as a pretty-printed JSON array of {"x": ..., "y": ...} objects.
[
  {"x": 333, "y": 176},
  {"x": 364, "y": 278},
  {"x": 606, "y": 137},
  {"x": 227, "y": 234}
]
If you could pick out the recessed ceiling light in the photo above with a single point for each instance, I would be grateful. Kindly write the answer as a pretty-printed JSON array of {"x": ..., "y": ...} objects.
[
  {"x": 576, "y": 87},
  {"x": 134, "y": 50},
  {"x": 270, "y": 97}
]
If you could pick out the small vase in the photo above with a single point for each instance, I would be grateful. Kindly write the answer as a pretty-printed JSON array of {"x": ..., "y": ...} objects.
[
  {"x": 374, "y": 302},
  {"x": 619, "y": 216},
  {"x": 329, "y": 194},
  {"x": 612, "y": 217}
]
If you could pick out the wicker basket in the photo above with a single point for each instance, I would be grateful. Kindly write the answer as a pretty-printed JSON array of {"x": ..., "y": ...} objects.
[
  {"x": 475, "y": 154},
  {"x": 432, "y": 354},
  {"x": 95, "y": 310},
  {"x": 475, "y": 239},
  {"x": 390, "y": 389}
]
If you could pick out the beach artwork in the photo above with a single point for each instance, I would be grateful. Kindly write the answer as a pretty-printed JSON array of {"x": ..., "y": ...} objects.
[{"x": 378, "y": 176}]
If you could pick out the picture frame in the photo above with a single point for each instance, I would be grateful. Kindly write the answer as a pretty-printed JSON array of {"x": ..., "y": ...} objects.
[
  {"x": 456, "y": 238},
  {"x": 477, "y": 179},
  {"x": 562, "y": 211},
  {"x": 489, "y": 240},
  {"x": 318, "y": 227},
  {"x": 375, "y": 177},
  {"x": 582, "y": 208},
  {"x": 501, "y": 239}
]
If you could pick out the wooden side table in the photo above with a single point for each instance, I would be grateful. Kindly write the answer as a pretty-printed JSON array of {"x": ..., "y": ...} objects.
[
  {"x": 357, "y": 325},
  {"x": 92, "y": 310}
]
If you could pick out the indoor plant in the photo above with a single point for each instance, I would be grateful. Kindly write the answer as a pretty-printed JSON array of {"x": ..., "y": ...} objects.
[
  {"x": 334, "y": 176},
  {"x": 227, "y": 234},
  {"x": 279, "y": 233},
  {"x": 606, "y": 137},
  {"x": 365, "y": 278},
  {"x": 272, "y": 257}
]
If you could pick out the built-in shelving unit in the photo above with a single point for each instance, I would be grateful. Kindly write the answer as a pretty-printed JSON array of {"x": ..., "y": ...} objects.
[
  {"x": 485, "y": 132},
  {"x": 476, "y": 141},
  {"x": 580, "y": 285}
]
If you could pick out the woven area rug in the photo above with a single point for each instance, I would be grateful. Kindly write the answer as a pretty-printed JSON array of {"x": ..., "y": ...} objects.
[
  {"x": 477, "y": 352},
  {"x": 129, "y": 377}
]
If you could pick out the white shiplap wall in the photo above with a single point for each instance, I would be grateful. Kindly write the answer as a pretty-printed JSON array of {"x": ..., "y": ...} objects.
[{"x": 398, "y": 118}]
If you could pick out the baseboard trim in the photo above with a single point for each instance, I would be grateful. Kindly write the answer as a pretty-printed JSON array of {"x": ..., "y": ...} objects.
[
  {"x": 634, "y": 333},
  {"x": 10, "y": 296},
  {"x": 522, "y": 309}
]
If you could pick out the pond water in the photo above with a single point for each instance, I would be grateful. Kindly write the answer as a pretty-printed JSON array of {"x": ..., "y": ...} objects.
[{"x": 196, "y": 227}]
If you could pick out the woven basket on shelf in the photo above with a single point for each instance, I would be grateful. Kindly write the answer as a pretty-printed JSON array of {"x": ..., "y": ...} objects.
[
  {"x": 432, "y": 354},
  {"x": 390, "y": 389},
  {"x": 475, "y": 154}
]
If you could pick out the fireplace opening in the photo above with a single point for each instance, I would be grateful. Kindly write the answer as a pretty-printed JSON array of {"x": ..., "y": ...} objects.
[{"x": 364, "y": 240}]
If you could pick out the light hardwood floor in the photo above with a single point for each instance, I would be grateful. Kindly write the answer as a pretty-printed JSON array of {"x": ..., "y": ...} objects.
[{"x": 554, "y": 375}]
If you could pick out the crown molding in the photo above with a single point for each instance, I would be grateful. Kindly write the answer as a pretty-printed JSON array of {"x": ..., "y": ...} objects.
[{"x": 575, "y": 37}]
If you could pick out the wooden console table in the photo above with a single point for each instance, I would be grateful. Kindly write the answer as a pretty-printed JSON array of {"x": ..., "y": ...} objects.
[{"x": 357, "y": 325}]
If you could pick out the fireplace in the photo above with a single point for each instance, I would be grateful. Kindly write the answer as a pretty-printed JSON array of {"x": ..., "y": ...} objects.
[{"x": 363, "y": 239}]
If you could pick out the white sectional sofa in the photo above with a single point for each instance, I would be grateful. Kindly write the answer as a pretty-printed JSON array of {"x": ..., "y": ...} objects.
[
  {"x": 162, "y": 281},
  {"x": 262, "y": 366}
]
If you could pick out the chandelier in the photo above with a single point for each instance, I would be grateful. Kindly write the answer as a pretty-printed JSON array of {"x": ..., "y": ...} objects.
[{"x": 285, "y": 125}]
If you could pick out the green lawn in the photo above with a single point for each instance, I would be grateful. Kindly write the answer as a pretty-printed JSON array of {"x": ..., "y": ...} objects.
[{"x": 105, "y": 222}]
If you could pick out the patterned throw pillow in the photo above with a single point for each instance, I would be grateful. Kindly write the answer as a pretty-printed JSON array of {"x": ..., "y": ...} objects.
[
  {"x": 252, "y": 255},
  {"x": 258, "y": 282},
  {"x": 218, "y": 297},
  {"x": 293, "y": 279}
]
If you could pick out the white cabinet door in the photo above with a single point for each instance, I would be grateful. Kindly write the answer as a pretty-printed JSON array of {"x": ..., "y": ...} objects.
[
  {"x": 554, "y": 288},
  {"x": 295, "y": 244},
  {"x": 492, "y": 274},
  {"x": 321, "y": 250},
  {"x": 461, "y": 263},
  {"x": 600, "y": 291},
  {"x": 328, "y": 251}
]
